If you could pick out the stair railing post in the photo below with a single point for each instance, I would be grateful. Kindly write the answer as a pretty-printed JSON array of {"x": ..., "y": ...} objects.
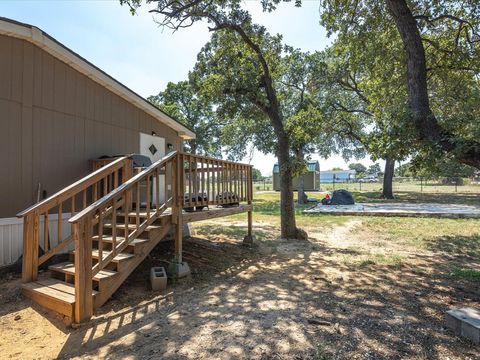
[
  {"x": 82, "y": 232},
  {"x": 30, "y": 247},
  {"x": 177, "y": 181},
  {"x": 249, "y": 201}
]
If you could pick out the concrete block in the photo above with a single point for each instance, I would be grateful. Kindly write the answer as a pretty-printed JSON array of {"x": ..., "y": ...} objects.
[
  {"x": 179, "y": 270},
  {"x": 464, "y": 322},
  {"x": 158, "y": 278}
]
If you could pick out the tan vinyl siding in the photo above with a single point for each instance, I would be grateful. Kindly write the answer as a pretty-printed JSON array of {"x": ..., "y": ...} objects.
[{"x": 53, "y": 119}]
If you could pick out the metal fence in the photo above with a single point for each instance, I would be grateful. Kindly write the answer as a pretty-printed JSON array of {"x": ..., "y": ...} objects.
[{"x": 421, "y": 185}]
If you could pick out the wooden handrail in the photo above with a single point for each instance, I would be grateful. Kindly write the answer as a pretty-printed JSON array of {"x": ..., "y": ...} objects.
[
  {"x": 119, "y": 190},
  {"x": 193, "y": 182},
  {"x": 73, "y": 197},
  {"x": 214, "y": 159},
  {"x": 72, "y": 189}
]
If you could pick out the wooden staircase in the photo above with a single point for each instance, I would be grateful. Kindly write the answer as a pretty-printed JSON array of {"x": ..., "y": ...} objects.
[
  {"x": 55, "y": 290},
  {"x": 116, "y": 218}
]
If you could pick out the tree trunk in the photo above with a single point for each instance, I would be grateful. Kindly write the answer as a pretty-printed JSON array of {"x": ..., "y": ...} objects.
[
  {"x": 388, "y": 178},
  {"x": 302, "y": 197},
  {"x": 287, "y": 207},
  {"x": 427, "y": 126},
  {"x": 193, "y": 146}
]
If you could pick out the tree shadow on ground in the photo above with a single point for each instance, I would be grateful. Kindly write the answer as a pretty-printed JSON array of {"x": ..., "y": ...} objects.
[{"x": 246, "y": 303}]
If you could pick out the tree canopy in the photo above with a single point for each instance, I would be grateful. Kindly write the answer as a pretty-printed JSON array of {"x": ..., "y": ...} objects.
[{"x": 185, "y": 104}]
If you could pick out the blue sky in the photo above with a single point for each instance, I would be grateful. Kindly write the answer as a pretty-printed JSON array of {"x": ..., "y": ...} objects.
[{"x": 145, "y": 57}]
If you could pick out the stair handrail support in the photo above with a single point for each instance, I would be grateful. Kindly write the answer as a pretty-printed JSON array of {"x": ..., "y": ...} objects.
[
  {"x": 31, "y": 215},
  {"x": 82, "y": 226}
]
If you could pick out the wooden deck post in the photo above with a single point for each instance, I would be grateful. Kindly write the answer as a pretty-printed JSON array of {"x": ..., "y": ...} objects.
[
  {"x": 177, "y": 182},
  {"x": 82, "y": 233},
  {"x": 249, "y": 239},
  {"x": 30, "y": 247},
  {"x": 249, "y": 201}
]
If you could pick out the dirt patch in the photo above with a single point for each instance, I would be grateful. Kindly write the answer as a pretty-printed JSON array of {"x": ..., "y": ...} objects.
[{"x": 278, "y": 300}]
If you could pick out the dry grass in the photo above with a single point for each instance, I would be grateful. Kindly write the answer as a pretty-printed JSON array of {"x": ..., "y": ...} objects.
[{"x": 380, "y": 286}]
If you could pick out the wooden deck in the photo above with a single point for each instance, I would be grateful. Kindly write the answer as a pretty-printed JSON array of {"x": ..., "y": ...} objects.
[{"x": 112, "y": 235}]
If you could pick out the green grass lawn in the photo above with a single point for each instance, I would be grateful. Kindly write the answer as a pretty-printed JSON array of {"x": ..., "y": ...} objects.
[{"x": 380, "y": 240}]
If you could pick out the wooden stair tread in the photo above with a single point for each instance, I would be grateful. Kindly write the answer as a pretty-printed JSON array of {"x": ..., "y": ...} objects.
[
  {"x": 51, "y": 286},
  {"x": 50, "y": 290},
  {"x": 142, "y": 214},
  {"x": 131, "y": 226},
  {"x": 117, "y": 258},
  {"x": 109, "y": 239},
  {"x": 69, "y": 268}
]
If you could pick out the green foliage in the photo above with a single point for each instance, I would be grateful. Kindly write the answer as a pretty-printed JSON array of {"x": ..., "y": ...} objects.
[
  {"x": 256, "y": 175},
  {"x": 182, "y": 102},
  {"x": 374, "y": 169},
  {"x": 442, "y": 167},
  {"x": 371, "y": 50},
  {"x": 359, "y": 168}
]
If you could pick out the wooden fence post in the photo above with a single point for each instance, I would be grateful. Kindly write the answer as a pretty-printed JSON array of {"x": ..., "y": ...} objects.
[{"x": 82, "y": 233}]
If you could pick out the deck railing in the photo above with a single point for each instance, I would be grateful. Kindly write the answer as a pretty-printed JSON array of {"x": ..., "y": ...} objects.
[
  {"x": 177, "y": 182},
  {"x": 208, "y": 181},
  {"x": 65, "y": 203}
]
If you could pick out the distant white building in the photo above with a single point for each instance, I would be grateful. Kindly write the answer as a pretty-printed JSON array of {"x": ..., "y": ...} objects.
[{"x": 337, "y": 176}]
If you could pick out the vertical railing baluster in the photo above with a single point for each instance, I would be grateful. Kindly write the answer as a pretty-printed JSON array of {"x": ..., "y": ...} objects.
[
  {"x": 207, "y": 162},
  {"x": 240, "y": 176},
  {"x": 95, "y": 192},
  {"x": 196, "y": 182},
  {"x": 165, "y": 183},
  {"x": 235, "y": 181},
  {"x": 105, "y": 186},
  {"x": 45, "y": 231},
  {"x": 190, "y": 193},
  {"x": 84, "y": 197},
  {"x": 125, "y": 209},
  {"x": 202, "y": 175},
  {"x": 224, "y": 172},
  {"x": 230, "y": 181},
  {"x": 213, "y": 181},
  {"x": 72, "y": 206},
  {"x": 149, "y": 196},
  {"x": 100, "y": 239},
  {"x": 114, "y": 223},
  {"x": 59, "y": 223},
  {"x": 137, "y": 207},
  {"x": 157, "y": 186}
]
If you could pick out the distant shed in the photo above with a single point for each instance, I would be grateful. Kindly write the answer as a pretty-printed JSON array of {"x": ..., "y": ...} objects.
[{"x": 312, "y": 178}]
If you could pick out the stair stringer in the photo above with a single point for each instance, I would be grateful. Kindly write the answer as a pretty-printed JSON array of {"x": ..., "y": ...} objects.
[{"x": 118, "y": 280}]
